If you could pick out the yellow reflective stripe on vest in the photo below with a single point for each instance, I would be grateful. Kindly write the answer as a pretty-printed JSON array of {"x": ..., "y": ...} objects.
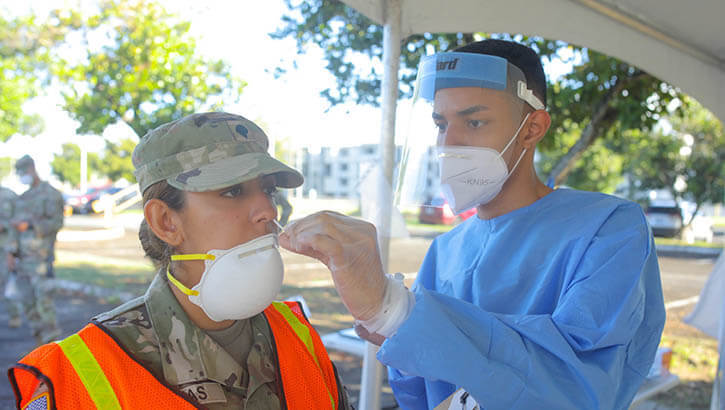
[
  {"x": 303, "y": 333},
  {"x": 90, "y": 372}
]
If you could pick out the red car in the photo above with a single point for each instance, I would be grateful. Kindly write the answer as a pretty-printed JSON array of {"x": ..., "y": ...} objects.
[
  {"x": 81, "y": 203},
  {"x": 437, "y": 211}
]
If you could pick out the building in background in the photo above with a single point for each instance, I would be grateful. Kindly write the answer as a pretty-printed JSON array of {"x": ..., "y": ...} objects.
[{"x": 338, "y": 172}]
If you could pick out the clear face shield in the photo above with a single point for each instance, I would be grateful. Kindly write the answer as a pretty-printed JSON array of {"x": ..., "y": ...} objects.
[{"x": 442, "y": 177}]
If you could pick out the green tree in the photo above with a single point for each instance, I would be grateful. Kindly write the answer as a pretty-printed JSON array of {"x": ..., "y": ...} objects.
[
  {"x": 148, "y": 70},
  {"x": 694, "y": 153},
  {"x": 6, "y": 167},
  {"x": 67, "y": 165},
  {"x": 342, "y": 33},
  {"x": 23, "y": 50},
  {"x": 602, "y": 98},
  {"x": 116, "y": 162}
]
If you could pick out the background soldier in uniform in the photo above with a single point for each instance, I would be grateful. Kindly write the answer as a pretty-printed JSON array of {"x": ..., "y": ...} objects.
[
  {"x": 37, "y": 220},
  {"x": 8, "y": 248}
]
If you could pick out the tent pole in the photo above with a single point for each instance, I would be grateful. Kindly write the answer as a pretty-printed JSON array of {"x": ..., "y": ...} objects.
[{"x": 372, "y": 370}]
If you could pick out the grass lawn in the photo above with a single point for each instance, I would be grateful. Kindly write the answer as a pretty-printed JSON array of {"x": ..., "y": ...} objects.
[
  {"x": 677, "y": 242},
  {"x": 694, "y": 361},
  {"x": 133, "y": 278},
  {"x": 718, "y": 221}
]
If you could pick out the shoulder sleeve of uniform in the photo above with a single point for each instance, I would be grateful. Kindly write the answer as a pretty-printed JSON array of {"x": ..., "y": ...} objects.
[{"x": 132, "y": 304}]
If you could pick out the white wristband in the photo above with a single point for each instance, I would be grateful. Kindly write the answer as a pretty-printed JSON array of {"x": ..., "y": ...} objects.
[{"x": 398, "y": 302}]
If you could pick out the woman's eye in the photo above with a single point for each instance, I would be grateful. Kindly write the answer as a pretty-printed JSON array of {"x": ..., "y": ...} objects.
[
  {"x": 441, "y": 126},
  {"x": 232, "y": 193}
]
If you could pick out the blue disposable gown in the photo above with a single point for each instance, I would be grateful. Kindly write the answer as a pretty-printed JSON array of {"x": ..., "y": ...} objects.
[{"x": 557, "y": 305}]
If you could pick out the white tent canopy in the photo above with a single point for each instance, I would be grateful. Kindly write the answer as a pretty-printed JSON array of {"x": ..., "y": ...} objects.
[{"x": 680, "y": 42}]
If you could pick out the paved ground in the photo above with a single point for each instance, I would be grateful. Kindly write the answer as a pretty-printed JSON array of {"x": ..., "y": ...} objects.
[
  {"x": 73, "y": 313},
  {"x": 682, "y": 278}
]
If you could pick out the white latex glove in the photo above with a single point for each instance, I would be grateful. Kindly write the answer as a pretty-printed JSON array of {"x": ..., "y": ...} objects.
[{"x": 349, "y": 248}]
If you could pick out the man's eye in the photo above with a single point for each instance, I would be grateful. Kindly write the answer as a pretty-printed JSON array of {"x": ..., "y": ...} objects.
[
  {"x": 232, "y": 193},
  {"x": 476, "y": 123},
  {"x": 270, "y": 190}
]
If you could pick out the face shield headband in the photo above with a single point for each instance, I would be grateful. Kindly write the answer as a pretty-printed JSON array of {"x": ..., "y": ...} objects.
[{"x": 455, "y": 70}]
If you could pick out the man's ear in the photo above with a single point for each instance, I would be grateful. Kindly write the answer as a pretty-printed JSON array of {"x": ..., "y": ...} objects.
[
  {"x": 536, "y": 127},
  {"x": 164, "y": 222}
]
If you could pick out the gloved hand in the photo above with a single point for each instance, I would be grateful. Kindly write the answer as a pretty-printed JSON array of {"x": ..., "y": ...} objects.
[{"x": 349, "y": 248}]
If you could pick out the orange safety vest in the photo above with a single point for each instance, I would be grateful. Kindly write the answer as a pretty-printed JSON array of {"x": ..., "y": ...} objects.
[{"x": 91, "y": 370}]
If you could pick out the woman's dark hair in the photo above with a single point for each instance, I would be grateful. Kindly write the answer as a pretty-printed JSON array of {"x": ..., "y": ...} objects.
[{"x": 156, "y": 249}]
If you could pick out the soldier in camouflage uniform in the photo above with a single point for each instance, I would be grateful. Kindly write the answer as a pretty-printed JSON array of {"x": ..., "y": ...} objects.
[
  {"x": 8, "y": 249},
  {"x": 205, "y": 175},
  {"x": 38, "y": 218}
]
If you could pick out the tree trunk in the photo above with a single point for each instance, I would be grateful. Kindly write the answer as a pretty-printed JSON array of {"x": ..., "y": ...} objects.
[{"x": 592, "y": 131}]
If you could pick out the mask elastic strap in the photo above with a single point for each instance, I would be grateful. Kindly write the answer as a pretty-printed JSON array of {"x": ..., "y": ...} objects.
[
  {"x": 180, "y": 285},
  {"x": 517, "y": 162},
  {"x": 515, "y": 135},
  {"x": 193, "y": 257},
  {"x": 187, "y": 257}
]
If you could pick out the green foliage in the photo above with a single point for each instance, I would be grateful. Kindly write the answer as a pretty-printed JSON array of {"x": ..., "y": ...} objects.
[
  {"x": 630, "y": 98},
  {"x": 668, "y": 157},
  {"x": 21, "y": 53},
  {"x": 147, "y": 71},
  {"x": 67, "y": 165},
  {"x": 598, "y": 169},
  {"x": 343, "y": 34},
  {"x": 6, "y": 167},
  {"x": 116, "y": 163}
]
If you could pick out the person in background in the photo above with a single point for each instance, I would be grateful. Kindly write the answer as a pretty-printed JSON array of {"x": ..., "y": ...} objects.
[
  {"x": 37, "y": 219},
  {"x": 8, "y": 249}
]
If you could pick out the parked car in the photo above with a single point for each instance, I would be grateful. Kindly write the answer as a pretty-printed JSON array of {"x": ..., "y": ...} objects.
[
  {"x": 98, "y": 205},
  {"x": 438, "y": 211},
  {"x": 82, "y": 203},
  {"x": 664, "y": 220}
]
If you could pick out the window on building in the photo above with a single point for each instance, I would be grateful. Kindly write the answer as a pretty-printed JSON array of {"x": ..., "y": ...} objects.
[
  {"x": 328, "y": 170},
  {"x": 343, "y": 181},
  {"x": 343, "y": 167}
]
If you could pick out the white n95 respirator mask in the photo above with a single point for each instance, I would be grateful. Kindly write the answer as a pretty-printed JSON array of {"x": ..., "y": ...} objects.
[
  {"x": 472, "y": 176},
  {"x": 26, "y": 179},
  {"x": 237, "y": 283}
]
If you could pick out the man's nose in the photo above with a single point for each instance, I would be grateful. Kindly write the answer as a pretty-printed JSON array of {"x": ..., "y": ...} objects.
[{"x": 453, "y": 135}]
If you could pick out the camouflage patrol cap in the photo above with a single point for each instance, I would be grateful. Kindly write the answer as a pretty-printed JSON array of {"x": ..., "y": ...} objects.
[
  {"x": 208, "y": 151},
  {"x": 24, "y": 163}
]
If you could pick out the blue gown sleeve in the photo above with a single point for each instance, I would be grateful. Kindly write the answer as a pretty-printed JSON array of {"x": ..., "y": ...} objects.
[{"x": 592, "y": 351}]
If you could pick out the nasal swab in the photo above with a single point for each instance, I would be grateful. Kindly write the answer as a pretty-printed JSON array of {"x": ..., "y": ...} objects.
[{"x": 281, "y": 229}]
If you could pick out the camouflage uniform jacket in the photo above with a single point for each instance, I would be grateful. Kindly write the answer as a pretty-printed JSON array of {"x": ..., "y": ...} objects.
[
  {"x": 42, "y": 207},
  {"x": 8, "y": 242},
  {"x": 157, "y": 332}
]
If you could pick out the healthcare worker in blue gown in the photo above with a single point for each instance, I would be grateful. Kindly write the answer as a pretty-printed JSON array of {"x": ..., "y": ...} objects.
[{"x": 549, "y": 299}]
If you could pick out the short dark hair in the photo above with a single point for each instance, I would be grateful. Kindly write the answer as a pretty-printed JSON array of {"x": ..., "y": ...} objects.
[{"x": 517, "y": 54}]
